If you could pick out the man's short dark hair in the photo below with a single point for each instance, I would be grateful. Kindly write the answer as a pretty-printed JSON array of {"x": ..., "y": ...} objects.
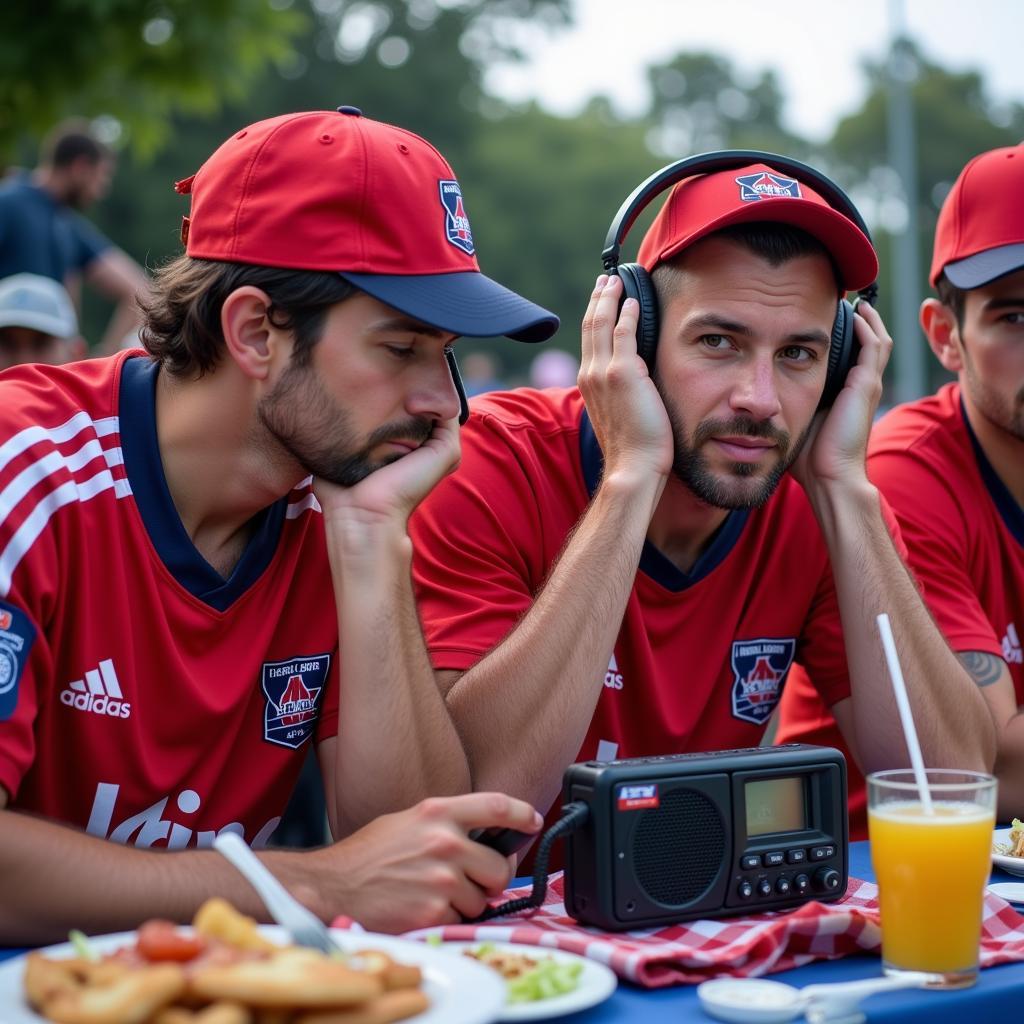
[
  {"x": 773, "y": 241},
  {"x": 952, "y": 297},
  {"x": 70, "y": 141},
  {"x": 182, "y": 317}
]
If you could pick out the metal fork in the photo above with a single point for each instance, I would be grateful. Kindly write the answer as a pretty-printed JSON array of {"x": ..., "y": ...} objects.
[{"x": 304, "y": 927}]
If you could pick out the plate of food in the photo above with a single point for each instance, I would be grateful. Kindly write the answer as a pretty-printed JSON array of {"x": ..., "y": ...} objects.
[
  {"x": 165, "y": 974},
  {"x": 1008, "y": 848},
  {"x": 540, "y": 981}
]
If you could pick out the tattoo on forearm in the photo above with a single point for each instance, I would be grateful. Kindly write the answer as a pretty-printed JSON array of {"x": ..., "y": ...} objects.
[{"x": 985, "y": 669}]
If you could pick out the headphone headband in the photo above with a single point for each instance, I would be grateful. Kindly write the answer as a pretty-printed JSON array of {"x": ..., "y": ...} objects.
[{"x": 723, "y": 160}]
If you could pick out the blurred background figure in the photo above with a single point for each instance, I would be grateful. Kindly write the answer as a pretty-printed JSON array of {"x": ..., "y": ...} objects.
[
  {"x": 480, "y": 373},
  {"x": 554, "y": 368},
  {"x": 42, "y": 230},
  {"x": 37, "y": 322}
]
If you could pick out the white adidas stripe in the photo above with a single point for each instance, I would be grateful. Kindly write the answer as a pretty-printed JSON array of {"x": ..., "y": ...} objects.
[
  {"x": 296, "y": 508},
  {"x": 25, "y": 536},
  {"x": 99, "y": 681},
  {"x": 14, "y": 446}
]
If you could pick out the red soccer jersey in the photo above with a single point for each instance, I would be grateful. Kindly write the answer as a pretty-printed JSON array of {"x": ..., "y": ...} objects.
[
  {"x": 142, "y": 696},
  {"x": 965, "y": 540},
  {"x": 701, "y": 657}
]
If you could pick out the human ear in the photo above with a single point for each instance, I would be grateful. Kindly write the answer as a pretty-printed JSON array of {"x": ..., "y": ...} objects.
[
  {"x": 941, "y": 329},
  {"x": 248, "y": 333}
]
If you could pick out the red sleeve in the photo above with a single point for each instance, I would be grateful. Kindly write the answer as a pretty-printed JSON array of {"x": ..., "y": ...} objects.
[
  {"x": 937, "y": 536},
  {"x": 478, "y": 546}
]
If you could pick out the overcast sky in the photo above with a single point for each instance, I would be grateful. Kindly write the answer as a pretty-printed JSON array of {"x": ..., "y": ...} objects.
[{"x": 817, "y": 55}]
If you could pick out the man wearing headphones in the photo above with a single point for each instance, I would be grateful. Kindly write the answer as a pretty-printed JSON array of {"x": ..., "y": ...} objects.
[
  {"x": 952, "y": 465},
  {"x": 631, "y": 568}
]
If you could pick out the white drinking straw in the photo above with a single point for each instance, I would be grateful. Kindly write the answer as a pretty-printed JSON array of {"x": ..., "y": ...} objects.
[{"x": 906, "y": 716}]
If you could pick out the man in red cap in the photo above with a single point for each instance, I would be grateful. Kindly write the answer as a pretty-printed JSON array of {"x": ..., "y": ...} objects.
[
  {"x": 202, "y": 544},
  {"x": 952, "y": 465},
  {"x": 631, "y": 568}
]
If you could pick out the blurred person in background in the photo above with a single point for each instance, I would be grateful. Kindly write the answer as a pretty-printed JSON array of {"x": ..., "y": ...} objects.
[
  {"x": 553, "y": 368},
  {"x": 480, "y": 373},
  {"x": 42, "y": 230},
  {"x": 37, "y": 322},
  {"x": 951, "y": 465}
]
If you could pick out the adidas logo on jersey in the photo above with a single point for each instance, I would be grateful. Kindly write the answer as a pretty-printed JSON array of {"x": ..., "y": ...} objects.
[
  {"x": 1011, "y": 646},
  {"x": 613, "y": 677},
  {"x": 99, "y": 692}
]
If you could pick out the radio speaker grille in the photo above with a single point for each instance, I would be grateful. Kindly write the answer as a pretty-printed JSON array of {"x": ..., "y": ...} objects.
[{"x": 678, "y": 847}]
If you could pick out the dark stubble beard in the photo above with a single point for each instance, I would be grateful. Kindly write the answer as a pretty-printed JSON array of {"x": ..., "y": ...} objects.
[
  {"x": 306, "y": 422},
  {"x": 690, "y": 464}
]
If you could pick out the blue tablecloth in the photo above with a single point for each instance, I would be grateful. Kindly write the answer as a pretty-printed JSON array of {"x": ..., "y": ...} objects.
[{"x": 997, "y": 995}]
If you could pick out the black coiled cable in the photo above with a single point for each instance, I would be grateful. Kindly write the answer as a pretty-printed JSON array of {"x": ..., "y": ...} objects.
[{"x": 574, "y": 815}]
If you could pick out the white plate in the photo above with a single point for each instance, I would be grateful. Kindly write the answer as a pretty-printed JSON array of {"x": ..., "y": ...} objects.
[
  {"x": 1015, "y": 865},
  {"x": 460, "y": 991},
  {"x": 596, "y": 982}
]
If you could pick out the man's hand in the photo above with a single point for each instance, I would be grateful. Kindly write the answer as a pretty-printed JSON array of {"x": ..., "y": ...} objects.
[
  {"x": 837, "y": 443},
  {"x": 624, "y": 406},
  {"x": 419, "y": 867},
  {"x": 393, "y": 491}
]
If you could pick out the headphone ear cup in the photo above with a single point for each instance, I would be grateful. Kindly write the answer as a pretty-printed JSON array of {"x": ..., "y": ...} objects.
[
  {"x": 842, "y": 353},
  {"x": 636, "y": 284}
]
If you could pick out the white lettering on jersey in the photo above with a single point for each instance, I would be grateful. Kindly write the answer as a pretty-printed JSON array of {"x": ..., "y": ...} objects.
[
  {"x": 149, "y": 827},
  {"x": 613, "y": 677},
  {"x": 99, "y": 692},
  {"x": 1011, "y": 646}
]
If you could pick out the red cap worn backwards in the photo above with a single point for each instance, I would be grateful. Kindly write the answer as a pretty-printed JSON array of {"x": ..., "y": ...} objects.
[
  {"x": 706, "y": 203},
  {"x": 980, "y": 232},
  {"x": 379, "y": 205}
]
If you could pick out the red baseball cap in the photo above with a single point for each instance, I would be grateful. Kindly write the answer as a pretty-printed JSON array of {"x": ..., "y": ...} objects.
[
  {"x": 705, "y": 203},
  {"x": 980, "y": 232},
  {"x": 333, "y": 190}
]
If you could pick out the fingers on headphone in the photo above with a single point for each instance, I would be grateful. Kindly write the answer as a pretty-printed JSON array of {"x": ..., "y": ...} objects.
[{"x": 624, "y": 334}]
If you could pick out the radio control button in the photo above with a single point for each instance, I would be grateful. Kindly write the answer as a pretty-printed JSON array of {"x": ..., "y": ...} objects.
[
  {"x": 782, "y": 886},
  {"x": 750, "y": 862},
  {"x": 745, "y": 890},
  {"x": 774, "y": 859},
  {"x": 764, "y": 888},
  {"x": 827, "y": 880},
  {"x": 802, "y": 884},
  {"x": 822, "y": 852},
  {"x": 797, "y": 856}
]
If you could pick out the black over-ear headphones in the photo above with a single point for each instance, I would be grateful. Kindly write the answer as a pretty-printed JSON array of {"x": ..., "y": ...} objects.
[{"x": 636, "y": 282}]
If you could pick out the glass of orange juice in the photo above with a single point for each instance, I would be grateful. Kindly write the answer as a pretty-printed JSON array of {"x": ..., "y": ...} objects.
[{"x": 931, "y": 870}]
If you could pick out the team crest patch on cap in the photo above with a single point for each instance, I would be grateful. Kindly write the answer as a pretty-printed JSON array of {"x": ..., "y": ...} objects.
[
  {"x": 760, "y": 668},
  {"x": 456, "y": 223},
  {"x": 17, "y": 634},
  {"x": 294, "y": 692},
  {"x": 765, "y": 185}
]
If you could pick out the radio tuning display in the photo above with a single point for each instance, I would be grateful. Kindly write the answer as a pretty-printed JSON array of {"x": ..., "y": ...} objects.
[{"x": 775, "y": 805}]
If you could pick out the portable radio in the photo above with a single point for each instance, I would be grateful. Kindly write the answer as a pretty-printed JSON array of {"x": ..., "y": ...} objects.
[{"x": 685, "y": 836}]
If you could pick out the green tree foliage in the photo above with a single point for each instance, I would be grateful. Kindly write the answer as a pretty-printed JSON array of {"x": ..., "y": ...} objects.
[{"x": 135, "y": 60}]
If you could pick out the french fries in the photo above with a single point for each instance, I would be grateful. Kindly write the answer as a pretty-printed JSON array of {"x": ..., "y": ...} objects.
[{"x": 236, "y": 976}]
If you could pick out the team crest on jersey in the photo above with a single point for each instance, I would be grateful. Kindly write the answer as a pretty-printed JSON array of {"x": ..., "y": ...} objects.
[
  {"x": 759, "y": 668},
  {"x": 293, "y": 691},
  {"x": 456, "y": 223},
  {"x": 766, "y": 185},
  {"x": 17, "y": 635}
]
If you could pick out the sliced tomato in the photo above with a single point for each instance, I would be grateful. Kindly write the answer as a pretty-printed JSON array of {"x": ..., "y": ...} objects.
[{"x": 161, "y": 940}]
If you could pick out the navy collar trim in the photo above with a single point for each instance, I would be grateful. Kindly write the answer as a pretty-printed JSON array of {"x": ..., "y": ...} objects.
[
  {"x": 652, "y": 562},
  {"x": 1009, "y": 511},
  {"x": 156, "y": 507}
]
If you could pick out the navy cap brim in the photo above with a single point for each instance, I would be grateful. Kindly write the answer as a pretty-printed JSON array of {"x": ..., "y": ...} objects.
[
  {"x": 466, "y": 304},
  {"x": 984, "y": 267}
]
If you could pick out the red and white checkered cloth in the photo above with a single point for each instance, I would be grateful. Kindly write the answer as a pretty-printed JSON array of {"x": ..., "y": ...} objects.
[{"x": 738, "y": 946}]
